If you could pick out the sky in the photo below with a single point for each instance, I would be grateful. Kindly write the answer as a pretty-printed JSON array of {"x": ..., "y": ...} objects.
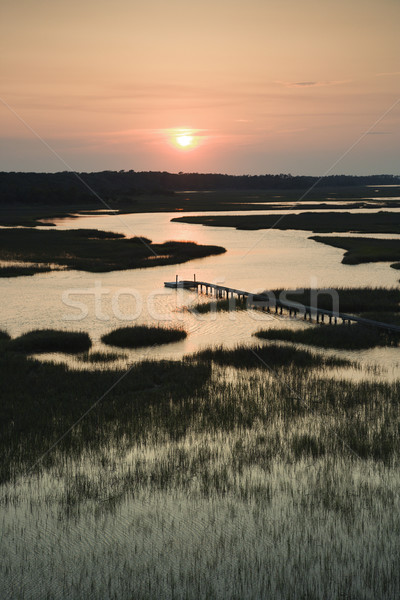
[{"x": 262, "y": 86}]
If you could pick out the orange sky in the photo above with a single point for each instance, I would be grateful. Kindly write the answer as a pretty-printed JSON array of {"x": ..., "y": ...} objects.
[{"x": 263, "y": 86}]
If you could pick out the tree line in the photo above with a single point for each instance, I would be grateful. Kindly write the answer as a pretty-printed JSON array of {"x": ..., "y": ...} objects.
[{"x": 81, "y": 188}]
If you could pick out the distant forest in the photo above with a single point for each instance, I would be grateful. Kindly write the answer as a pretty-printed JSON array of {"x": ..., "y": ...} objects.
[{"x": 66, "y": 188}]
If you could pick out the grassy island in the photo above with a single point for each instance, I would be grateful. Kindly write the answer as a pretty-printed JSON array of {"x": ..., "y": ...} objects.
[
  {"x": 353, "y": 337},
  {"x": 23, "y": 270},
  {"x": 140, "y": 336},
  {"x": 318, "y": 222},
  {"x": 50, "y": 340},
  {"x": 268, "y": 356},
  {"x": 364, "y": 250},
  {"x": 94, "y": 250}
]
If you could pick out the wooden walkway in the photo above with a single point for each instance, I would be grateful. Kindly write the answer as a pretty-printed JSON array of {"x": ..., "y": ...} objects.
[{"x": 264, "y": 302}]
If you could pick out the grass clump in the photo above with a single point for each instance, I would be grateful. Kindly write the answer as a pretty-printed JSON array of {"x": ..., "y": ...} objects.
[
  {"x": 349, "y": 337},
  {"x": 271, "y": 356},
  {"x": 50, "y": 340},
  {"x": 101, "y": 357},
  {"x": 307, "y": 445},
  {"x": 17, "y": 271},
  {"x": 141, "y": 336},
  {"x": 220, "y": 305}
]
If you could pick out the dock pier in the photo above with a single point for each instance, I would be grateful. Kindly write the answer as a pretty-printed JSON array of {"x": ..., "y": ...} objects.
[{"x": 264, "y": 302}]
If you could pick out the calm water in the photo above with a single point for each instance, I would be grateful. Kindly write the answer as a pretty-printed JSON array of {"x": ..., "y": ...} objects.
[{"x": 254, "y": 261}]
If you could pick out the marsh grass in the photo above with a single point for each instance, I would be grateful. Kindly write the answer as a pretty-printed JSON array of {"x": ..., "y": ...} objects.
[
  {"x": 378, "y": 301},
  {"x": 272, "y": 355},
  {"x": 351, "y": 300},
  {"x": 40, "y": 401},
  {"x": 220, "y": 305},
  {"x": 364, "y": 250},
  {"x": 191, "y": 468},
  {"x": 101, "y": 357},
  {"x": 50, "y": 340},
  {"x": 17, "y": 271},
  {"x": 349, "y": 337},
  {"x": 391, "y": 318},
  {"x": 94, "y": 250},
  {"x": 140, "y": 336},
  {"x": 313, "y": 528},
  {"x": 288, "y": 413},
  {"x": 323, "y": 222}
]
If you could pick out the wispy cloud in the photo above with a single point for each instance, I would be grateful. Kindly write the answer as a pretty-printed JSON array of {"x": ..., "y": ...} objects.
[
  {"x": 301, "y": 84},
  {"x": 385, "y": 74}
]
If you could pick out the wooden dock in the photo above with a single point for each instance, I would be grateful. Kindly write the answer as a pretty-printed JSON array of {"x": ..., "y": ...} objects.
[{"x": 264, "y": 302}]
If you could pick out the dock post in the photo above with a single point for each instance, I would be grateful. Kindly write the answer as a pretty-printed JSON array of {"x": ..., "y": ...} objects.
[{"x": 176, "y": 279}]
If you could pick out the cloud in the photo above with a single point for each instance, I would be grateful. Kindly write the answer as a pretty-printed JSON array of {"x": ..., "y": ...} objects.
[
  {"x": 379, "y": 133},
  {"x": 384, "y": 74},
  {"x": 304, "y": 84},
  {"x": 312, "y": 83}
]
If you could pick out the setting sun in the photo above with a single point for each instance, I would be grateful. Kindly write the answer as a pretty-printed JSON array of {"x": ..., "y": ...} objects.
[{"x": 184, "y": 140}]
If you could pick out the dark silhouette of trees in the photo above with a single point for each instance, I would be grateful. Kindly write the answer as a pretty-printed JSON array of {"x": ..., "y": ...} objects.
[{"x": 65, "y": 188}]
